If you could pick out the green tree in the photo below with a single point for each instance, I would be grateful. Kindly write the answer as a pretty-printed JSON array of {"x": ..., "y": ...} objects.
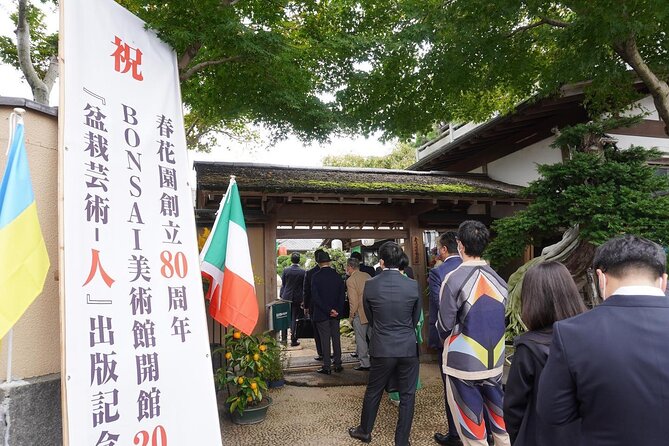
[
  {"x": 605, "y": 192},
  {"x": 240, "y": 62},
  {"x": 401, "y": 157},
  {"x": 34, "y": 52},
  {"x": 430, "y": 61}
]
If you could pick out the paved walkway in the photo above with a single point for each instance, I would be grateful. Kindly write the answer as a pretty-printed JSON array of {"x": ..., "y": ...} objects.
[{"x": 320, "y": 416}]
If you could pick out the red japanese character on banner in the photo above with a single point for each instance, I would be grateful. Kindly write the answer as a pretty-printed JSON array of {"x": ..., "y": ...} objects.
[
  {"x": 127, "y": 57},
  {"x": 96, "y": 266}
]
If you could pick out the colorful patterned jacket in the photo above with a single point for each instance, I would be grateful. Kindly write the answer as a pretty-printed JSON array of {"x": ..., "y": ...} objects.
[{"x": 471, "y": 307}]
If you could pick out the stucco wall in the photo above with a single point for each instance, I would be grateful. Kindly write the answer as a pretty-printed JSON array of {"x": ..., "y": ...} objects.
[
  {"x": 520, "y": 167},
  {"x": 37, "y": 334}
]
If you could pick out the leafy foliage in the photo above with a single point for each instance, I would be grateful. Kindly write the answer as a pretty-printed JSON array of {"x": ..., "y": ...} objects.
[
  {"x": 428, "y": 61},
  {"x": 44, "y": 46},
  {"x": 607, "y": 194},
  {"x": 248, "y": 359},
  {"x": 401, "y": 157},
  {"x": 338, "y": 257}
]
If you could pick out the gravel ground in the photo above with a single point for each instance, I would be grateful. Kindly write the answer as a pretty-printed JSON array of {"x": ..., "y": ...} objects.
[{"x": 321, "y": 416}]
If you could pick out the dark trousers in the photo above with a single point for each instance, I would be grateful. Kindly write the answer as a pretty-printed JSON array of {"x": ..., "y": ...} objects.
[
  {"x": 449, "y": 417},
  {"x": 329, "y": 330},
  {"x": 295, "y": 312},
  {"x": 317, "y": 336},
  {"x": 379, "y": 375}
]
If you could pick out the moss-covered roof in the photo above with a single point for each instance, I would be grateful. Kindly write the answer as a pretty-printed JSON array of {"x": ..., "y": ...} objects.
[{"x": 214, "y": 176}]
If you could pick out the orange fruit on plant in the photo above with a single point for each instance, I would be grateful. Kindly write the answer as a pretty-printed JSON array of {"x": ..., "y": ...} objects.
[
  {"x": 254, "y": 386},
  {"x": 262, "y": 347},
  {"x": 228, "y": 355},
  {"x": 240, "y": 380},
  {"x": 261, "y": 368},
  {"x": 256, "y": 357},
  {"x": 237, "y": 334}
]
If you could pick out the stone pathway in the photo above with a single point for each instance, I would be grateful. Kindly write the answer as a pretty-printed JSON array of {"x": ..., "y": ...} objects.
[{"x": 320, "y": 416}]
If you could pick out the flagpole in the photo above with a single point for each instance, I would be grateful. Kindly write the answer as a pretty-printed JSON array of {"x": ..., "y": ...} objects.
[{"x": 14, "y": 119}]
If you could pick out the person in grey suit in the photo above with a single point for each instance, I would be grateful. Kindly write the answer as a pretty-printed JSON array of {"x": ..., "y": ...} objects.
[{"x": 392, "y": 304}]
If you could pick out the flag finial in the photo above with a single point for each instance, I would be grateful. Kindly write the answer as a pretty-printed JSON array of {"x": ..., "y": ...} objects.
[{"x": 232, "y": 177}]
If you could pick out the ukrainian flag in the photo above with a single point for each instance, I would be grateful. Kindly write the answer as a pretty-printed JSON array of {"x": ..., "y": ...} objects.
[{"x": 23, "y": 258}]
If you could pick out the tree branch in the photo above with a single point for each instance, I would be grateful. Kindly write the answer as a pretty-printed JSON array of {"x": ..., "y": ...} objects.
[
  {"x": 228, "y": 2},
  {"x": 51, "y": 73},
  {"x": 659, "y": 89},
  {"x": 188, "y": 55},
  {"x": 544, "y": 21},
  {"x": 198, "y": 67},
  {"x": 38, "y": 87}
]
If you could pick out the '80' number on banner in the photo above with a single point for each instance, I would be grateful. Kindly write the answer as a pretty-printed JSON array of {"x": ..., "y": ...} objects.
[{"x": 173, "y": 264}]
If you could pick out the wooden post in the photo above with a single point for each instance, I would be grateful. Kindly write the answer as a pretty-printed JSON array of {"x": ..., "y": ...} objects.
[
  {"x": 418, "y": 260},
  {"x": 270, "y": 266}
]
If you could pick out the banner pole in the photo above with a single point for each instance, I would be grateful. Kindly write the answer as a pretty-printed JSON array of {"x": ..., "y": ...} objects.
[{"x": 10, "y": 347}]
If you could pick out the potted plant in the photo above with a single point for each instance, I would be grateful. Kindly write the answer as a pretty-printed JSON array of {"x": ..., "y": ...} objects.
[
  {"x": 276, "y": 355},
  {"x": 246, "y": 361}
]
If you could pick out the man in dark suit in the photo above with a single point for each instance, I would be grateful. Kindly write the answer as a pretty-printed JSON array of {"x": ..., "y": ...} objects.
[
  {"x": 292, "y": 289},
  {"x": 447, "y": 251},
  {"x": 328, "y": 295},
  {"x": 610, "y": 366},
  {"x": 307, "y": 303},
  {"x": 392, "y": 305}
]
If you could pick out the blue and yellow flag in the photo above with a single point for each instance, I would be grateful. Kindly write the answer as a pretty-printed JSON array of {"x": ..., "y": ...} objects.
[{"x": 24, "y": 261}]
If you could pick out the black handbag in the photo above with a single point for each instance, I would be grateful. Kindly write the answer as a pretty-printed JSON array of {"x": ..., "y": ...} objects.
[{"x": 304, "y": 328}]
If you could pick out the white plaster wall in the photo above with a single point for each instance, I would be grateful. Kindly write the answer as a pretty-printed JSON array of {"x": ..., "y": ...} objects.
[
  {"x": 646, "y": 105},
  {"x": 625, "y": 141},
  {"x": 520, "y": 167},
  {"x": 37, "y": 334}
]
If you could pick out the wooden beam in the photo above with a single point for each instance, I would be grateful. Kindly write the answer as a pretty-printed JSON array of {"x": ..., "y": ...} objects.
[
  {"x": 321, "y": 212},
  {"x": 270, "y": 234},
  {"x": 647, "y": 127},
  {"x": 341, "y": 233}
]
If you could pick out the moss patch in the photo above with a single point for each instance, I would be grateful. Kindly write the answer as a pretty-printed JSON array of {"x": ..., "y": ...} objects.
[{"x": 456, "y": 188}]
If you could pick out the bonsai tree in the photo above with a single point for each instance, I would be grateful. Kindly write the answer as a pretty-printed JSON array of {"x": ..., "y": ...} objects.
[
  {"x": 247, "y": 357},
  {"x": 601, "y": 191}
]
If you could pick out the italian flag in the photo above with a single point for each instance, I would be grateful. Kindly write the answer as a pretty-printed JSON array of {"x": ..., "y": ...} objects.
[{"x": 225, "y": 260}]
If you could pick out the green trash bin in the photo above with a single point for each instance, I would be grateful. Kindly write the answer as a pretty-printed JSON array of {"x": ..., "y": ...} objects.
[{"x": 278, "y": 315}]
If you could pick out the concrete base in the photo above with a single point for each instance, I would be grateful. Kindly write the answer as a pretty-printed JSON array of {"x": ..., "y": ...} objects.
[{"x": 30, "y": 412}]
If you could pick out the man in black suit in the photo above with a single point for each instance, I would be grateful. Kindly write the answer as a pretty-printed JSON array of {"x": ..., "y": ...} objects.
[
  {"x": 610, "y": 366},
  {"x": 307, "y": 303},
  {"x": 292, "y": 289},
  {"x": 392, "y": 305},
  {"x": 327, "y": 296}
]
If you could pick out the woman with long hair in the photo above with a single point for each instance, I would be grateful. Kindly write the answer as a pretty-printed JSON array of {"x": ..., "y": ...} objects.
[{"x": 548, "y": 294}]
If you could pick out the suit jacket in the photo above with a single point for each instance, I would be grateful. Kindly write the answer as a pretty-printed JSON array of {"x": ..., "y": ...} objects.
[
  {"x": 327, "y": 293},
  {"x": 368, "y": 269},
  {"x": 610, "y": 367},
  {"x": 355, "y": 286},
  {"x": 292, "y": 284},
  {"x": 434, "y": 279},
  {"x": 392, "y": 304},
  {"x": 306, "y": 290}
]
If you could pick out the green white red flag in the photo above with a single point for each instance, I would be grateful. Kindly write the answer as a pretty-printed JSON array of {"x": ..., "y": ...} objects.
[{"x": 226, "y": 261}]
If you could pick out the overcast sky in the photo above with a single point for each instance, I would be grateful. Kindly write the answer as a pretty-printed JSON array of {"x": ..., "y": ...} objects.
[{"x": 289, "y": 152}]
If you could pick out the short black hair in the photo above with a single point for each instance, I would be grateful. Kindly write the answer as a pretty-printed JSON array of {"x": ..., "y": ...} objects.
[
  {"x": 295, "y": 257},
  {"x": 356, "y": 255},
  {"x": 474, "y": 237},
  {"x": 391, "y": 254},
  {"x": 404, "y": 261},
  {"x": 630, "y": 254},
  {"x": 449, "y": 240},
  {"x": 548, "y": 295},
  {"x": 353, "y": 262}
]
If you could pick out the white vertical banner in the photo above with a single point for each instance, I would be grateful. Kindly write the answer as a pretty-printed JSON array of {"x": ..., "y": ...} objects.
[{"x": 137, "y": 367}]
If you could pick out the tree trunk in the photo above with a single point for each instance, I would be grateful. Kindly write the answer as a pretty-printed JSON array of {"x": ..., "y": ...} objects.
[
  {"x": 659, "y": 90},
  {"x": 40, "y": 88}
]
